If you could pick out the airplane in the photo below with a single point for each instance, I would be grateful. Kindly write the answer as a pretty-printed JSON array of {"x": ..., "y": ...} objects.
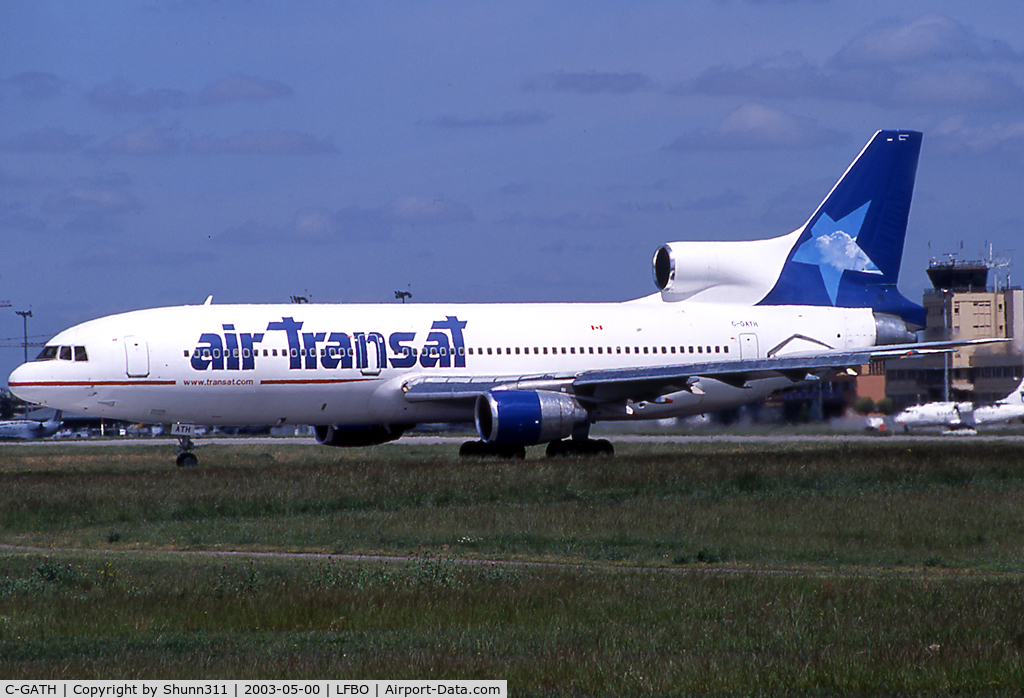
[
  {"x": 30, "y": 428},
  {"x": 730, "y": 323},
  {"x": 963, "y": 415}
]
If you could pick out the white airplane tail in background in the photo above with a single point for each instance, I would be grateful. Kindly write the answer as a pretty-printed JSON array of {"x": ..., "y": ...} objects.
[{"x": 1014, "y": 398}]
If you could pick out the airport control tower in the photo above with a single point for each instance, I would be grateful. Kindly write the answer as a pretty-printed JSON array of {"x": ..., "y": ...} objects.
[{"x": 962, "y": 305}]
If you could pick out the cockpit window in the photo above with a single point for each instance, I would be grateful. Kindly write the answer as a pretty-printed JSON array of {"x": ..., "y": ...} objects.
[{"x": 49, "y": 353}]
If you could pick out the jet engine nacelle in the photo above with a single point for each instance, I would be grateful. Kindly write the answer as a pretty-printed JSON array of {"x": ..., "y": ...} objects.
[
  {"x": 356, "y": 435},
  {"x": 729, "y": 271},
  {"x": 527, "y": 416}
]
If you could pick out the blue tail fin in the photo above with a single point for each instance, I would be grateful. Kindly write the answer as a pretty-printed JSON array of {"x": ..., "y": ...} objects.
[{"x": 850, "y": 250}]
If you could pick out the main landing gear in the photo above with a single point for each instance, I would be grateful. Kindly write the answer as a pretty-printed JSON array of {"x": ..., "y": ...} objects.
[
  {"x": 481, "y": 449},
  {"x": 581, "y": 447},
  {"x": 555, "y": 449}
]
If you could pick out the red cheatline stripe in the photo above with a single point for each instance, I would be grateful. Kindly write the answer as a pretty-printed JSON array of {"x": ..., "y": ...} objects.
[
  {"x": 310, "y": 381},
  {"x": 67, "y": 384}
]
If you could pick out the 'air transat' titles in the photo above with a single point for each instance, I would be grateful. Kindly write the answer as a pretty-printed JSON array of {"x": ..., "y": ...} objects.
[{"x": 232, "y": 350}]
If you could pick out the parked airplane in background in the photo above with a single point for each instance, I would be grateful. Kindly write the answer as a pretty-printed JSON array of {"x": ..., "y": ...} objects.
[
  {"x": 731, "y": 323},
  {"x": 30, "y": 428},
  {"x": 963, "y": 415}
]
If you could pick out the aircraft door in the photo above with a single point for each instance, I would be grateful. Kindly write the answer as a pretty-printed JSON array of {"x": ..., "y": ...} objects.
[
  {"x": 136, "y": 354},
  {"x": 370, "y": 353},
  {"x": 748, "y": 346}
]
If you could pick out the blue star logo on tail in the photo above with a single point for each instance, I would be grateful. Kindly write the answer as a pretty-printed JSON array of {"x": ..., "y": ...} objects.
[{"x": 833, "y": 250}]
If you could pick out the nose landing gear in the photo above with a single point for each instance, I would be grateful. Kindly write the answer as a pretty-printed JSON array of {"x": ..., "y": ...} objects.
[{"x": 184, "y": 452}]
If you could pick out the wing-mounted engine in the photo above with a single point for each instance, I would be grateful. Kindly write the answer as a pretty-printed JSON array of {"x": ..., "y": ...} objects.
[
  {"x": 724, "y": 272},
  {"x": 527, "y": 416},
  {"x": 357, "y": 435}
]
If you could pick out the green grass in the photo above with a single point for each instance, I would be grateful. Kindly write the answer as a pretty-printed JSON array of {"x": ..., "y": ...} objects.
[{"x": 873, "y": 567}]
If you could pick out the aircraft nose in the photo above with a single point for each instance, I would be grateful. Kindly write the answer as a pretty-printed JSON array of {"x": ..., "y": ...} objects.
[{"x": 22, "y": 380}]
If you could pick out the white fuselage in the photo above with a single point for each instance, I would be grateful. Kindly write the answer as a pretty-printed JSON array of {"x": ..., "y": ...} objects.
[{"x": 347, "y": 364}]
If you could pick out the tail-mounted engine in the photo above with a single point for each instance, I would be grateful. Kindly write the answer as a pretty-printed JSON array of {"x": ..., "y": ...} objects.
[{"x": 720, "y": 271}]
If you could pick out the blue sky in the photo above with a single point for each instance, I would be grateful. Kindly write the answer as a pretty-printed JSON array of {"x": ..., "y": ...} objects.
[{"x": 155, "y": 153}]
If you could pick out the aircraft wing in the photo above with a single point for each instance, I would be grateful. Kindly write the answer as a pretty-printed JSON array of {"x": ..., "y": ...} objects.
[{"x": 650, "y": 382}]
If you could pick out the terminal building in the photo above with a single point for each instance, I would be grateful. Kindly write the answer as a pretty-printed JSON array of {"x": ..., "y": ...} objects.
[{"x": 960, "y": 305}]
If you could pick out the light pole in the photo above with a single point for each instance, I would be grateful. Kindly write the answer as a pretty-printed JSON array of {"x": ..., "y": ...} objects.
[{"x": 25, "y": 315}]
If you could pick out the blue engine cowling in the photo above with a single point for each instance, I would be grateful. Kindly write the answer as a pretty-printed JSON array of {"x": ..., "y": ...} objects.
[
  {"x": 527, "y": 416},
  {"x": 357, "y": 434}
]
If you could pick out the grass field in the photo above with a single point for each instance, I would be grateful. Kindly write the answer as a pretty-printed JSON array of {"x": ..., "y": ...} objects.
[{"x": 873, "y": 567}]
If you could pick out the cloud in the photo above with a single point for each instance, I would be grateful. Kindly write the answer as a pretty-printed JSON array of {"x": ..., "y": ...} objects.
[
  {"x": 91, "y": 200},
  {"x": 589, "y": 83},
  {"x": 36, "y": 85},
  {"x": 262, "y": 143},
  {"x": 927, "y": 39},
  {"x": 787, "y": 76},
  {"x": 508, "y": 119},
  {"x": 45, "y": 140},
  {"x": 427, "y": 210},
  {"x": 351, "y": 224},
  {"x": 755, "y": 126},
  {"x": 572, "y": 220},
  {"x": 927, "y": 63},
  {"x": 145, "y": 140},
  {"x": 243, "y": 88},
  {"x": 726, "y": 199},
  {"x": 119, "y": 96},
  {"x": 957, "y": 139}
]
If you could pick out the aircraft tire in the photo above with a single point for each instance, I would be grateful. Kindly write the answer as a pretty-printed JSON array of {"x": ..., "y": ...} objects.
[
  {"x": 589, "y": 447},
  {"x": 479, "y": 449},
  {"x": 187, "y": 460}
]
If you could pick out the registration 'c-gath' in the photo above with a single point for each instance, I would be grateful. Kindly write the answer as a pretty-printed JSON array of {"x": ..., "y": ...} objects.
[{"x": 731, "y": 323}]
